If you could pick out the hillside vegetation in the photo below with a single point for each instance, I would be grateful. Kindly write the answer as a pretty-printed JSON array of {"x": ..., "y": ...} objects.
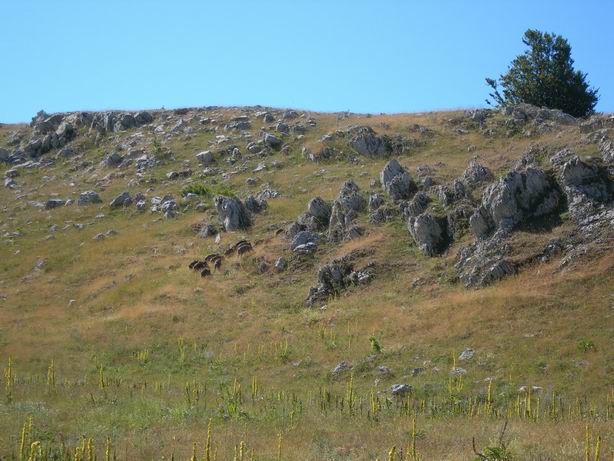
[{"x": 409, "y": 319}]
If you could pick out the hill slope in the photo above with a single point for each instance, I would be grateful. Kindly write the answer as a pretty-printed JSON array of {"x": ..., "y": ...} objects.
[{"x": 476, "y": 268}]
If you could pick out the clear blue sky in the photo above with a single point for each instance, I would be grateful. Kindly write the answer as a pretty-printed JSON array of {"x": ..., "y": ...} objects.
[{"x": 363, "y": 56}]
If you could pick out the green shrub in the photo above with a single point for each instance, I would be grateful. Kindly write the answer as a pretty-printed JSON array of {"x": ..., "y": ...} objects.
[
  {"x": 586, "y": 345},
  {"x": 207, "y": 191}
]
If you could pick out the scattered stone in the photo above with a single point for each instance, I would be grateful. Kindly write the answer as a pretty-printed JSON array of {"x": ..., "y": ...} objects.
[
  {"x": 113, "y": 160},
  {"x": 255, "y": 205},
  {"x": 207, "y": 230},
  {"x": 306, "y": 248},
  {"x": 88, "y": 197},
  {"x": 283, "y": 128},
  {"x": 458, "y": 371},
  {"x": 384, "y": 370},
  {"x": 54, "y": 203},
  {"x": 302, "y": 238},
  {"x": 205, "y": 157},
  {"x": 280, "y": 264},
  {"x": 239, "y": 124},
  {"x": 271, "y": 140},
  {"x": 266, "y": 193},
  {"x": 375, "y": 201},
  {"x": 289, "y": 115},
  {"x": 341, "y": 367},
  {"x": 401, "y": 389},
  {"x": 169, "y": 207},
  {"x": 337, "y": 276},
  {"x": 467, "y": 354},
  {"x": 122, "y": 200}
]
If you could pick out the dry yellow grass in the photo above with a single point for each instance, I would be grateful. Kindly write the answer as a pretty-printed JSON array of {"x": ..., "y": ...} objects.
[{"x": 134, "y": 293}]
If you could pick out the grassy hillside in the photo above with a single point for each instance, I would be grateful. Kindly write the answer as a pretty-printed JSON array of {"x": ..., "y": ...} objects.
[{"x": 116, "y": 340}]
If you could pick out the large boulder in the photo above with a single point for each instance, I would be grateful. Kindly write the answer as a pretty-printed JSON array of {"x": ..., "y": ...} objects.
[
  {"x": 351, "y": 197},
  {"x": 316, "y": 218},
  {"x": 108, "y": 122},
  {"x": 124, "y": 121},
  {"x": 345, "y": 209},
  {"x": 606, "y": 146},
  {"x": 516, "y": 197},
  {"x": 34, "y": 148},
  {"x": 143, "y": 118},
  {"x": 429, "y": 233},
  {"x": 320, "y": 210},
  {"x": 43, "y": 123},
  {"x": 366, "y": 142},
  {"x": 340, "y": 223},
  {"x": 336, "y": 277},
  {"x": 587, "y": 179},
  {"x": 485, "y": 261},
  {"x": 587, "y": 187},
  {"x": 523, "y": 113},
  {"x": 65, "y": 133},
  {"x": 232, "y": 213},
  {"x": 418, "y": 205},
  {"x": 396, "y": 181}
]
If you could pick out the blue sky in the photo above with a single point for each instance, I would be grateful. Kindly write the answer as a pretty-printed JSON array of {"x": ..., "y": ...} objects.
[{"x": 364, "y": 56}]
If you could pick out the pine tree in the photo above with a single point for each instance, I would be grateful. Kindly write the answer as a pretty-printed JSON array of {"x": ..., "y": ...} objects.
[{"x": 545, "y": 77}]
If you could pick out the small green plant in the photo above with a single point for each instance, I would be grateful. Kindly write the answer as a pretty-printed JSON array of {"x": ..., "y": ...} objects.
[
  {"x": 156, "y": 147},
  {"x": 375, "y": 346},
  {"x": 500, "y": 452},
  {"x": 207, "y": 191},
  {"x": 586, "y": 345},
  {"x": 198, "y": 189}
]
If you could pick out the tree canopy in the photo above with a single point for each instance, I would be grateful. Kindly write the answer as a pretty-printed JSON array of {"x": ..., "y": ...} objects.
[{"x": 544, "y": 76}]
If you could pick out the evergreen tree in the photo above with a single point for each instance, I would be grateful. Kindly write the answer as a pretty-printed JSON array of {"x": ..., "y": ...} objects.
[{"x": 544, "y": 76}]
